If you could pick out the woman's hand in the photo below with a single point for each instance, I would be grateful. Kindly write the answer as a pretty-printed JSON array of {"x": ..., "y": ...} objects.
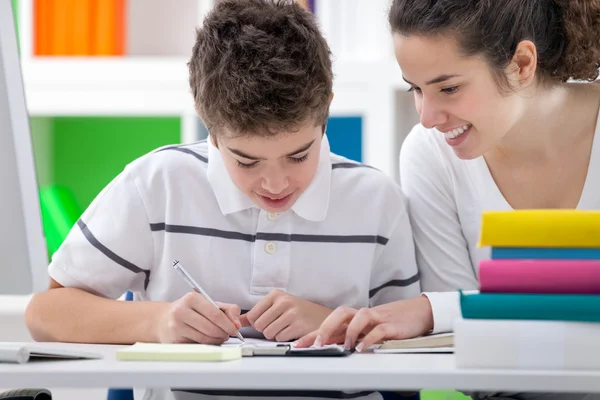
[{"x": 398, "y": 320}]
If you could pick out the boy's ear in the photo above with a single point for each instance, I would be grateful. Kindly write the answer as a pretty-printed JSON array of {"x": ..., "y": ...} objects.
[
  {"x": 331, "y": 99},
  {"x": 213, "y": 140}
]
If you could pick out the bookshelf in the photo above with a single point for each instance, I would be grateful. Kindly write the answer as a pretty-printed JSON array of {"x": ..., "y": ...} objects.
[{"x": 151, "y": 79}]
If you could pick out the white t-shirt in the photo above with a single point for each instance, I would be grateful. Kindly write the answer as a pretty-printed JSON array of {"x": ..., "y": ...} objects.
[
  {"x": 346, "y": 241},
  {"x": 446, "y": 197}
]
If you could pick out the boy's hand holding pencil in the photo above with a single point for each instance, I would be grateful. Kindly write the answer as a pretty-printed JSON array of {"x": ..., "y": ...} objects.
[{"x": 194, "y": 319}]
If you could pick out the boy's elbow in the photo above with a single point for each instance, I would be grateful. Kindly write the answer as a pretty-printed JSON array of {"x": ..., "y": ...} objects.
[{"x": 35, "y": 317}]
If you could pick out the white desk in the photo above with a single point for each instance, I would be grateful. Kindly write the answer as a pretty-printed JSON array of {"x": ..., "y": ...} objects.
[
  {"x": 356, "y": 372},
  {"x": 12, "y": 318}
]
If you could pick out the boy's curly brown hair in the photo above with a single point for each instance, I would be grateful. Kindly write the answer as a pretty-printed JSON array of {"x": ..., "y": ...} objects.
[{"x": 260, "y": 67}]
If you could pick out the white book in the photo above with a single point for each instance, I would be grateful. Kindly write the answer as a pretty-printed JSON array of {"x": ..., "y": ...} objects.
[
  {"x": 436, "y": 343},
  {"x": 526, "y": 344},
  {"x": 21, "y": 353}
]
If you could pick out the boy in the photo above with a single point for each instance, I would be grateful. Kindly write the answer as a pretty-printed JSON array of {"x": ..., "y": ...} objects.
[{"x": 262, "y": 215}]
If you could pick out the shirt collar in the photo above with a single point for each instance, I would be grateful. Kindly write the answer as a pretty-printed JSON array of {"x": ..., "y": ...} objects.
[
  {"x": 229, "y": 197},
  {"x": 312, "y": 205}
]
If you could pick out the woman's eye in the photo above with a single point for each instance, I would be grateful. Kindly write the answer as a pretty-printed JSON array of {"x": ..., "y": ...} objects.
[{"x": 450, "y": 90}]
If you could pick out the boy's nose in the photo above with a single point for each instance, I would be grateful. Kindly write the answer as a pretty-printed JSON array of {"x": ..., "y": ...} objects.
[{"x": 275, "y": 184}]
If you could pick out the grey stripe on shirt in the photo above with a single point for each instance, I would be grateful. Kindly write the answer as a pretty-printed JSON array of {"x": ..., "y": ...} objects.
[
  {"x": 395, "y": 283},
  {"x": 187, "y": 151},
  {"x": 110, "y": 254},
  {"x": 346, "y": 165},
  {"x": 282, "y": 237}
]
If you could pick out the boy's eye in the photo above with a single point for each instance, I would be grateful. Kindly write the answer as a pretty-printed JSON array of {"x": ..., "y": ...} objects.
[
  {"x": 244, "y": 165},
  {"x": 414, "y": 89},
  {"x": 299, "y": 159},
  {"x": 252, "y": 164},
  {"x": 450, "y": 90}
]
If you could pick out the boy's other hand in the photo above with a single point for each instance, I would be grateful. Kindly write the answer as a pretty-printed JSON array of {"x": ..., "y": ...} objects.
[
  {"x": 363, "y": 328},
  {"x": 193, "y": 319},
  {"x": 283, "y": 317}
]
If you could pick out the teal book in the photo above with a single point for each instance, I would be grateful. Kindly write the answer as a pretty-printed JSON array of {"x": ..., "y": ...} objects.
[{"x": 552, "y": 307}]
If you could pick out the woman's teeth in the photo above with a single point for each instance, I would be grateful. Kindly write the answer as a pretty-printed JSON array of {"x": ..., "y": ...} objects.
[{"x": 454, "y": 133}]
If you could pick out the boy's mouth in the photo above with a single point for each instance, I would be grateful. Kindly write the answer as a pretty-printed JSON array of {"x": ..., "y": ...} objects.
[{"x": 276, "y": 202}]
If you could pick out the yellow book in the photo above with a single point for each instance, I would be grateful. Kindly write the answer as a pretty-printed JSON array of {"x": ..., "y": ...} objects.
[
  {"x": 540, "y": 228},
  {"x": 178, "y": 352}
]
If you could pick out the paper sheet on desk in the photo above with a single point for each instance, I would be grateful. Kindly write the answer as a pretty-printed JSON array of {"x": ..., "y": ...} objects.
[
  {"x": 254, "y": 342},
  {"x": 283, "y": 348}
]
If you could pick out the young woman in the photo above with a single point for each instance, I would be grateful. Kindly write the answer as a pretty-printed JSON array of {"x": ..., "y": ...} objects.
[{"x": 501, "y": 129}]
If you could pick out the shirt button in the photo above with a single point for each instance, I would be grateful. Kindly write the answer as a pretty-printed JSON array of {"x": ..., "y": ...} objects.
[
  {"x": 271, "y": 216},
  {"x": 270, "y": 247}
]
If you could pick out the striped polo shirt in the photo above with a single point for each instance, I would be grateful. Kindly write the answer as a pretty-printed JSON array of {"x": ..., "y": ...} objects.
[{"x": 346, "y": 241}]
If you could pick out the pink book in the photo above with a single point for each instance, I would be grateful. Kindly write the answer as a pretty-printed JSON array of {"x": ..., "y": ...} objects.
[{"x": 540, "y": 276}]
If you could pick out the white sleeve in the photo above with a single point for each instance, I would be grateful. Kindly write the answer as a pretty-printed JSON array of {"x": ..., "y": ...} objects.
[
  {"x": 394, "y": 275},
  {"x": 446, "y": 308},
  {"x": 441, "y": 248},
  {"x": 109, "y": 250}
]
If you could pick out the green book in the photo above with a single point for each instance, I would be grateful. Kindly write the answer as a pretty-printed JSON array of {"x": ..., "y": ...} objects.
[{"x": 553, "y": 307}]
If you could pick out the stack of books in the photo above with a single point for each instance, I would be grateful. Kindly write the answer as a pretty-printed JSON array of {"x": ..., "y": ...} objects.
[{"x": 538, "y": 306}]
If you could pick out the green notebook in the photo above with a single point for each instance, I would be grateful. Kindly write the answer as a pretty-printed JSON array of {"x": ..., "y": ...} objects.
[
  {"x": 178, "y": 352},
  {"x": 553, "y": 307}
]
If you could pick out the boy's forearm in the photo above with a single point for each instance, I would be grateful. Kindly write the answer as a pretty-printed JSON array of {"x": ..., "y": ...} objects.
[{"x": 73, "y": 315}]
